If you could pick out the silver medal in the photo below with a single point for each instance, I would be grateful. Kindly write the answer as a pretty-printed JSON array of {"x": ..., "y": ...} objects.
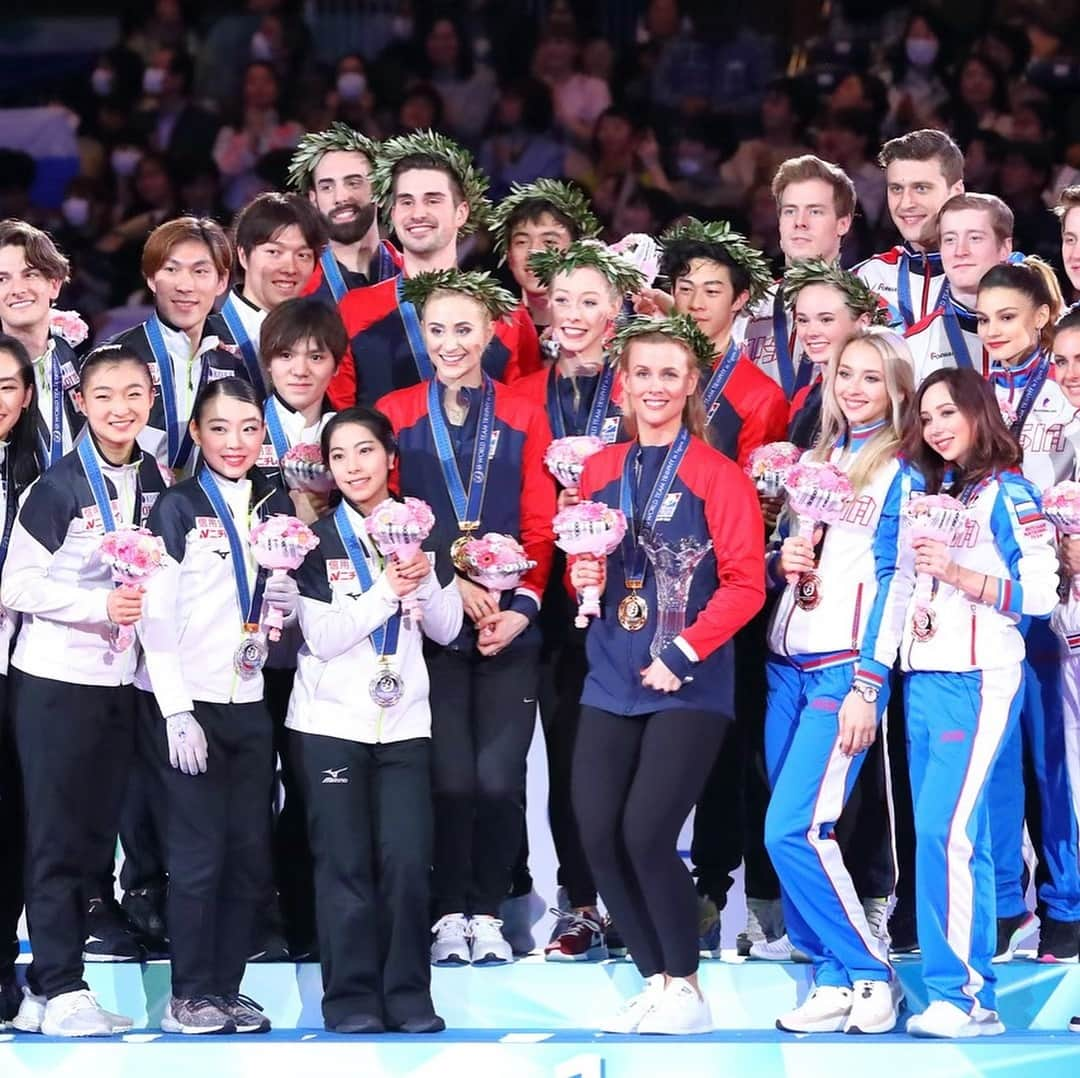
[
  {"x": 386, "y": 687},
  {"x": 250, "y": 656}
]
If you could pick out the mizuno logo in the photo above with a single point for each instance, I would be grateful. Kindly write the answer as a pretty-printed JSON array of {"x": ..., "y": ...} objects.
[{"x": 333, "y": 776}]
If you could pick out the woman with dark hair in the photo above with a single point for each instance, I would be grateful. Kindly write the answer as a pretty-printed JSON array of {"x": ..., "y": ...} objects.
[
  {"x": 981, "y": 99},
  {"x": 18, "y": 459},
  {"x": 203, "y": 723},
  {"x": 371, "y": 831},
  {"x": 467, "y": 88},
  {"x": 963, "y": 658},
  {"x": 521, "y": 146},
  {"x": 918, "y": 85}
]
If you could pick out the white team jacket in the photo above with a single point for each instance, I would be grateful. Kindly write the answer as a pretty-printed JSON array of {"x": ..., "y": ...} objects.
[
  {"x": 756, "y": 332},
  {"x": 338, "y": 659},
  {"x": 925, "y": 278},
  {"x": 932, "y": 350}
]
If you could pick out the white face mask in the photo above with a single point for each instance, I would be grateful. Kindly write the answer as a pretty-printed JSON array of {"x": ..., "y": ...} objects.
[
  {"x": 124, "y": 160},
  {"x": 153, "y": 80},
  {"x": 101, "y": 81},
  {"x": 76, "y": 211},
  {"x": 921, "y": 51},
  {"x": 401, "y": 26},
  {"x": 261, "y": 49},
  {"x": 351, "y": 85}
]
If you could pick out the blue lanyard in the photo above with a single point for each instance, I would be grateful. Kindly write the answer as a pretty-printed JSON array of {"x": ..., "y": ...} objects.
[
  {"x": 411, "y": 321},
  {"x": 1031, "y": 391},
  {"x": 634, "y": 557},
  {"x": 385, "y": 638},
  {"x": 243, "y": 341},
  {"x": 387, "y": 267},
  {"x": 332, "y": 274},
  {"x": 597, "y": 410},
  {"x": 236, "y": 549},
  {"x": 719, "y": 380},
  {"x": 954, "y": 331},
  {"x": 467, "y": 507},
  {"x": 179, "y": 447},
  {"x": 782, "y": 343},
  {"x": 276, "y": 430},
  {"x": 52, "y": 440},
  {"x": 94, "y": 476},
  {"x": 903, "y": 289}
]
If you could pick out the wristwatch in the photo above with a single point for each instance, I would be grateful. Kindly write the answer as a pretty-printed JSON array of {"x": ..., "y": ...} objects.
[{"x": 868, "y": 692}]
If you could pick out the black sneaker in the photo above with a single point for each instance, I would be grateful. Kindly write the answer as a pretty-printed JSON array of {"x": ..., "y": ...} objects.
[
  {"x": 272, "y": 948},
  {"x": 1059, "y": 941},
  {"x": 110, "y": 936},
  {"x": 1010, "y": 931},
  {"x": 145, "y": 909},
  {"x": 10, "y": 998},
  {"x": 1074, "y": 1024},
  {"x": 616, "y": 945}
]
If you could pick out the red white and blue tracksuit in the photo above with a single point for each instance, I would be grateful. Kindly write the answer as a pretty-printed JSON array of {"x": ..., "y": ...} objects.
[
  {"x": 1036, "y": 749},
  {"x": 387, "y": 351},
  {"x": 768, "y": 337},
  {"x": 946, "y": 337},
  {"x": 817, "y": 652},
  {"x": 484, "y": 709},
  {"x": 643, "y": 756},
  {"x": 910, "y": 282},
  {"x": 963, "y": 698}
]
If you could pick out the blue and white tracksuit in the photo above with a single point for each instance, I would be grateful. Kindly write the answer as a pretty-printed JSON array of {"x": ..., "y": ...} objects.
[
  {"x": 852, "y": 633},
  {"x": 963, "y": 698},
  {"x": 1049, "y": 436}
]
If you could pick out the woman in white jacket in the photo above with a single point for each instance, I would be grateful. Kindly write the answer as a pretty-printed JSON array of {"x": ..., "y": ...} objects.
[{"x": 359, "y": 729}]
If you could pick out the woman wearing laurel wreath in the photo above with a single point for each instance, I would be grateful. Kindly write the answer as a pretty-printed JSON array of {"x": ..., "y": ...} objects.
[
  {"x": 655, "y": 711},
  {"x": 831, "y": 649},
  {"x": 474, "y": 452},
  {"x": 359, "y": 735},
  {"x": 204, "y": 724},
  {"x": 963, "y": 684}
]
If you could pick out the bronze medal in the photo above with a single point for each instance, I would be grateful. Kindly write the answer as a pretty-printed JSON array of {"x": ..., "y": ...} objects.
[
  {"x": 923, "y": 623},
  {"x": 633, "y": 612},
  {"x": 457, "y": 547},
  {"x": 808, "y": 591}
]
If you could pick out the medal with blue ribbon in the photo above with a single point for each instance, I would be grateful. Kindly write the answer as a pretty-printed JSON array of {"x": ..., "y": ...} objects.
[
  {"x": 468, "y": 505},
  {"x": 178, "y": 436},
  {"x": 1032, "y": 389},
  {"x": 903, "y": 288},
  {"x": 386, "y": 687},
  {"x": 243, "y": 341},
  {"x": 633, "y": 612},
  {"x": 411, "y": 321},
  {"x": 92, "y": 469},
  {"x": 782, "y": 342},
  {"x": 332, "y": 274},
  {"x": 251, "y": 655},
  {"x": 718, "y": 381},
  {"x": 954, "y": 331},
  {"x": 597, "y": 410}
]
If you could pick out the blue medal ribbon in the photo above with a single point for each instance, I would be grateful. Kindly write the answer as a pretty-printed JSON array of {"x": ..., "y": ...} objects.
[
  {"x": 903, "y": 289},
  {"x": 243, "y": 341},
  {"x": 275, "y": 429},
  {"x": 634, "y": 556},
  {"x": 719, "y": 379},
  {"x": 249, "y": 602},
  {"x": 411, "y": 321},
  {"x": 1031, "y": 390},
  {"x": 782, "y": 343},
  {"x": 955, "y": 332},
  {"x": 179, "y": 445},
  {"x": 386, "y": 267},
  {"x": 94, "y": 476},
  {"x": 11, "y": 506},
  {"x": 467, "y": 506},
  {"x": 332, "y": 274},
  {"x": 385, "y": 638},
  {"x": 597, "y": 410}
]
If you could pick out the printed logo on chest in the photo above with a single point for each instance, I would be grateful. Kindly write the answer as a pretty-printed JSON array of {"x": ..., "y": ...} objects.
[
  {"x": 208, "y": 529},
  {"x": 268, "y": 457},
  {"x": 861, "y": 511},
  {"x": 669, "y": 505},
  {"x": 340, "y": 572}
]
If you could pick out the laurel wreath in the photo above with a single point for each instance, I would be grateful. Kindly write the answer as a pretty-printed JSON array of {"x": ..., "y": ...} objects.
[
  {"x": 678, "y": 327},
  {"x": 623, "y": 277},
  {"x": 859, "y": 298},
  {"x": 566, "y": 199},
  {"x": 312, "y": 146},
  {"x": 719, "y": 234},
  {"x": 482, "y": 287}
]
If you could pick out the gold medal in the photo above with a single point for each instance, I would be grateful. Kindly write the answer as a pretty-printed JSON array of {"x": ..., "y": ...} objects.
[
  {"x": 457, "y": 547},
  {"x": 633, "y": 611},
  {"x": 808, "y": 591}
]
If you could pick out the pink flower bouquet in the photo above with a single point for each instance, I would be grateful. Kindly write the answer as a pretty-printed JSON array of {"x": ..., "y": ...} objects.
[
  {"x": 565, "y": 457},
  {"x": 496, "y": 562},
  {"x": 69, "y": 325},
  {"x": 398, "y": 529},
  {"x": 818, "y": 493},
  {"x": 303, "y": 468},
  {"x": 1061, "y": 506},
  {"x": 642, "y": 252},
  {"x": 769, "y": 464},
  {"x": 280, "y": 543},
  {"x": 134, "y": 555},
  {"x": 589, "y": 528},
  {"x": 933, "y": 516}
]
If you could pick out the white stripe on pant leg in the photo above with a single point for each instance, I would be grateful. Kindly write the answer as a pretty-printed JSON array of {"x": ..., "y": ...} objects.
[
  {"x": 1070, "y": 717},
  {"x": 997, "y": 692},
  {"x": 890, "y": 804},
  {"x": 827, "y": 808}
]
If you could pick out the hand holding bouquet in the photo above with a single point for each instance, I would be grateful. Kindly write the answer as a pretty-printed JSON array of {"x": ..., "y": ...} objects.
[
  {"x": 398, "y": 529},
  {"x": 589, "y": 528},
  {"x": 1061, "y": 506},
  {"x": 769, "y": 464},
  {"x": 496, "y": 562},
  {"x": 937, "y": 517},
  {"x": 304, "y": 471},
  {"x": 280, "y": 543},
  {"x": 565, "y": 457},
  {"x": 818, "y": 493},
  {"x": 134, "y": 555}
]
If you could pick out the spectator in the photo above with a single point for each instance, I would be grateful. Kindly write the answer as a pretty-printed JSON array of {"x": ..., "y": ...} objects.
[
  {"x": 1025, "y": 173},
  {"x": 859, "y": 90},
  {"x": 199, "y": 187},
  {"x": 696, "y": 167},
  {"x": 261, "y": 129},
  {"x": 522, "y": 145},
  {"x": 164, "y": 28},
  {"x": 762, "y": 232},
  {"x": 645, "y": 209},
  {"x": 918, "y": 87},
  {"x": 579, "y": 98},
  {"x": 981, "y": 101},
  {"x": 982, "y": 162},
  {"x": 849, "y": 138},
  {"x": 351, "y": 99},
  {"x": 621, "y": 153},
  {"x": 17, "y": 173},
  {"x": 173, "y": 124},
  {"x": 421, "y": 110}
]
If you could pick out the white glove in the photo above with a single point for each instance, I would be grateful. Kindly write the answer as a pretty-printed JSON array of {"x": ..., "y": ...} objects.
[
  {"x": 187, "y": 743},
  {"x": 282, "y": 594}
]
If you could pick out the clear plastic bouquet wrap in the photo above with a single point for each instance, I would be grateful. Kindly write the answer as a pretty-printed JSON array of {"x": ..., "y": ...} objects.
[
  {"x": 589, "y": 528},
  {"x": 303, "y": 468},
  {"x": 932, "y": 516},
  {"x": 280, "y": 543},
  {"x": 398, "y": 529},
  {"x": 134, "y": 555},
  {"x": 1061, "y": 506},
  {"x": 769, "y": 464},
  {"x": 565, "y": 457},
  {"x": 818, "y": 493}
]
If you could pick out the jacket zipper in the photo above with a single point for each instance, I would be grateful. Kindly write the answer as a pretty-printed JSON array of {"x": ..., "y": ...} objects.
[
  {"x": 855, "y": 620},
  {"x": 973, "y": 662}
]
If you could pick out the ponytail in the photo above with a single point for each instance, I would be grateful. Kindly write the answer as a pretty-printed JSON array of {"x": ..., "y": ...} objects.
[{"x": 1035, "y": 279}]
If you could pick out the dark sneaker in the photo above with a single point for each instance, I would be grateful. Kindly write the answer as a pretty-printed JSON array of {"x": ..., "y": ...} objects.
[
  {"x": 421, "y": 1023},
  {"x": 1059, "y": 941},
  {"x": 110, "y": 936},
  {"x": 245, "y": 1013},
  {"x": 200, "y": 1014},
  {"x": 1074, "y": 1024},
  {"x": 710, "y": 928},
  {"x": 145, "y": 909},
  {"x": 580, "y": 939},
  {"x": 272, "y": 948},
  {"x": 1010, "y": 932},
  {"x": 361, "y": 1024},
  {"x": 616, "y": 945}
]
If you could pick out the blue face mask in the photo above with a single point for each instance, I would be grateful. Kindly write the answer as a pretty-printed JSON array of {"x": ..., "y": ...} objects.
[{"x": 921, "y": 51}]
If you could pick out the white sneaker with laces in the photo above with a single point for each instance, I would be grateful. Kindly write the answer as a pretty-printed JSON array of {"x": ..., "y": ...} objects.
[
  {"x": 947, "y": 1021},
  {"x": 825, "y": 1010},
  {"x": 488, "y": 946},
  {"x": 31, "y": 1013},
  {"x": 681, "y": 1010},
  {"x": 629, "y": 1016},
  {"x": 76, "y": 1014},
  {"x": 874, "y": 1006},
  {"x": 450, "y": 947}
]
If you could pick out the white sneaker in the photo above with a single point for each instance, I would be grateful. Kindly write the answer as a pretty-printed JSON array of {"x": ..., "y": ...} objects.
[
  {"x": 31, "y": 1013},
  {"x": 629, "y": 1016},
  {"x": 825, "y": 1010},
  {"x": 518, "y": 916},
  {"x": 946, "y": 1020},
  {"x": 680, "y": 1010},
  {"x": 489, "y": 946},
  {"x": 76, "y": 1014},
  {"x": 874, "y": 1006},
  {"x": 760, "y": 915},
  {"x": 778, "y": 950},
  {"x": 450, "y": 947}
]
